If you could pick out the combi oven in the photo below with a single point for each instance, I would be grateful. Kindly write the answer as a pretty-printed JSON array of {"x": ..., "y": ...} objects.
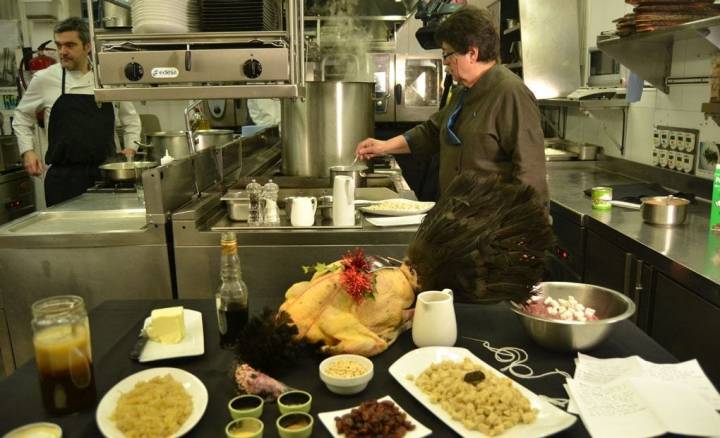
[{"x": 408, "y": 87}]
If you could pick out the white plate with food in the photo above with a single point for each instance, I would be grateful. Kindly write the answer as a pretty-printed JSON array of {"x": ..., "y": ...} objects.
[
  {"x": 396, "y": 221},
  {"x": 328, "y": 419},
  {"x": 192, "y": 344},
  {"x": 407, "y": 369},
  {"x": 397, "y": 207},
  {"x": 178, "y": 388}
]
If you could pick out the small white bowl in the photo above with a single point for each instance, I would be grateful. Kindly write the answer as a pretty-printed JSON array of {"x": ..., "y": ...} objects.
[
  {"x": 346, "y": 385},
  {"x": 39, "y": 430}
]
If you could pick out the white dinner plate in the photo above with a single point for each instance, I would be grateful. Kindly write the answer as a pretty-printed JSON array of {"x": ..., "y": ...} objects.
[
  {"x": 328, "y": 419},
  {"x": 192, "y": 344},
  {"x": 395, "y": 221},
  {"x": 192, "y": 385},
  {"x": 550, "y": 419},
  {"x": 157, "y": 26},
  {"x": 414, "y": 208}
]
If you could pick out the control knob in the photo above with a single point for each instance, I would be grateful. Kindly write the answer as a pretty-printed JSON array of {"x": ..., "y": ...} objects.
[
  {"x": 252, "y": 68},
  {"x": 134, "y": 71}
]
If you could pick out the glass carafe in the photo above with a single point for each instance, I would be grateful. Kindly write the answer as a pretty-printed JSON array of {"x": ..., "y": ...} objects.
[{"x": 61, "y": 338}]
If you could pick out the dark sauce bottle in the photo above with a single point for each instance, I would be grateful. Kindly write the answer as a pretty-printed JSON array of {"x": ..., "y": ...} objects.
[{"x": 231, "y": 299}]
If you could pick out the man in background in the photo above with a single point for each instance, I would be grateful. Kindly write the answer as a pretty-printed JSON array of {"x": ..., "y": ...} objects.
[{"x": 81, "y": 132}]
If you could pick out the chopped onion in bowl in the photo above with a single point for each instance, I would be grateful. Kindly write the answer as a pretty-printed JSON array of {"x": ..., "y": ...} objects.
[{"x": 564, "y": 309}]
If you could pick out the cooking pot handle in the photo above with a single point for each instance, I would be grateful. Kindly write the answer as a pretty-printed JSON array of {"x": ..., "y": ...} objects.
[
  {"x": 142, "y": 144},
  {"x": 626, "y": 205}
]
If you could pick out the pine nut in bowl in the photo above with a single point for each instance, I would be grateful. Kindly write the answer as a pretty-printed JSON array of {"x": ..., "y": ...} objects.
[{"x": 346, "y": 373}]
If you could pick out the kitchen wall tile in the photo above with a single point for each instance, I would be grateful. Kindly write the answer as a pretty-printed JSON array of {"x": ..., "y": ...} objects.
[
  {"x": 686, "y": 119},
  {"x": 698, "y": 59},
  {"x": 661, "y": 117},
  {"x": 681, "y": 107},
  {"x": 672, "y": 100},
  {"x": 648, "y": 99},
  {"x": 639, "y": 137},
  {"x": 694, "y": 96},
  {"x": 574, "y": 126}
]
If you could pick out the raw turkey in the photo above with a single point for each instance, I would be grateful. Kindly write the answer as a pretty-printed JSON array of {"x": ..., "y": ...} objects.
[{"x": 324, "y": 312}]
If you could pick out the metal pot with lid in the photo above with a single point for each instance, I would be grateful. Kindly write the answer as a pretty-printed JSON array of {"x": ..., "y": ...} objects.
[
  {"x": 209, "y": 138},
  {"x": 660, "y": 210}
]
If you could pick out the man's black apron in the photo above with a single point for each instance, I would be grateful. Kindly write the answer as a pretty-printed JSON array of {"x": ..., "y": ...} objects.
[{"x": 80, "y": 137}]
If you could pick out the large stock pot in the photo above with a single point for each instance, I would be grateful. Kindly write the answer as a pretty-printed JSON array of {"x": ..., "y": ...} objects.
[{"x": 322, "y": 130}]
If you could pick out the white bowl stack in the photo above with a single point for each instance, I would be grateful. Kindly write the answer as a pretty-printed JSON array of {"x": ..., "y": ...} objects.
[{"x": 165, "y": 16}]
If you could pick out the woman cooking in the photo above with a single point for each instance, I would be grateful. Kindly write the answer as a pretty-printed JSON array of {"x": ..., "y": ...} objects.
[{"x": 491, "y": 124}]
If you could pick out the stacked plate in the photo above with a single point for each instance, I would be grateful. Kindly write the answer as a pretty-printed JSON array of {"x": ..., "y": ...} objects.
[
  {"x": 233, "y": 15},
  {"x": 165, "y": 16},
  {"x": 649, "y": 15},
  {"x": 625, "y": 25}
]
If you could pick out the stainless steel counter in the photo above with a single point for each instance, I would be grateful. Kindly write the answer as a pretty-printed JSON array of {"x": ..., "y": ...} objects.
[
  {"x": 262, "y": 252},
  {"x": 98, "y": 246},
  {"x": 690, "y": 246}
]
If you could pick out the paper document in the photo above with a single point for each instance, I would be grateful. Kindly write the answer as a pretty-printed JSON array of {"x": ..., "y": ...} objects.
[
  {"x": 689, "y": 374},
  {"x": 642, "y": 407},
  {"x": 631, "y": 397}
]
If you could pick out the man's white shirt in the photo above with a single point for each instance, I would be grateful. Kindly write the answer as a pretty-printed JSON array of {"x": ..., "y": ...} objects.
[{"x": 45, "y": 88}]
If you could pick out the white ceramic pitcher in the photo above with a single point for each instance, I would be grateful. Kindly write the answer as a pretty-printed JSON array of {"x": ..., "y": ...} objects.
[
  {"x": 343, "y": 207},
  {"x": 302, "y": 213},
  {"x": 434, "y": 320}
]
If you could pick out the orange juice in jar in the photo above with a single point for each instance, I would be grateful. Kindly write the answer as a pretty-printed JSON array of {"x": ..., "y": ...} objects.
[{"x": 61, "y": 337}]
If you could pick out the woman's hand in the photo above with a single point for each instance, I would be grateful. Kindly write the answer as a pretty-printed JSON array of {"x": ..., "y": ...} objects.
[{"x": 370, "y": 147}]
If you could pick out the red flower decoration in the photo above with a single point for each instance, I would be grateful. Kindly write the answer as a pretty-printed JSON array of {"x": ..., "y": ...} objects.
[{"x": 356, "y": 277}]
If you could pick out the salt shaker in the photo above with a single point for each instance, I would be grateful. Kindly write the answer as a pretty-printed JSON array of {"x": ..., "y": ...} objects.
[
  {"x": 269, "y": 203},
  {"x": 254, "y": 191}
]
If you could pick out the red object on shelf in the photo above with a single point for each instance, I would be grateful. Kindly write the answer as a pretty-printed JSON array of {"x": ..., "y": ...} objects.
[{"x": 38, "y": 62}]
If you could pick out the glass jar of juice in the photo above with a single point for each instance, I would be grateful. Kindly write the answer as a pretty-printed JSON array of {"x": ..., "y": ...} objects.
[{"x": 61, "y": 337}]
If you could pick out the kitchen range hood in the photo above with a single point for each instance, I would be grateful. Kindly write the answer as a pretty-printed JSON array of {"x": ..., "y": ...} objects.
[{"x": 201, "y": 65}]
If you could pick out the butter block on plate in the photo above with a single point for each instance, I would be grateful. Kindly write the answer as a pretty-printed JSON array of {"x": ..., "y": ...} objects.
[{"x": 167, "y": 325}]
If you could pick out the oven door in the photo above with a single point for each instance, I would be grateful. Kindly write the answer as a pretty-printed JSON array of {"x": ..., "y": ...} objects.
[{"x": 418, "y": 87}]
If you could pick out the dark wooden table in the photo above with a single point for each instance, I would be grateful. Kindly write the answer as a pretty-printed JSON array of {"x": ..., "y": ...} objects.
[{"x": 115, "y": 325}]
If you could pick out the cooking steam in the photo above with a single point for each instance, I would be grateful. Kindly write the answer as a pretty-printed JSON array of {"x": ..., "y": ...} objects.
[{"x": 343, "y": 42}]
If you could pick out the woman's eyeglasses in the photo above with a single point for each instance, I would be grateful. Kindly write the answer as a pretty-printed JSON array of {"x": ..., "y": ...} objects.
[{"x": 445, "y": 56}]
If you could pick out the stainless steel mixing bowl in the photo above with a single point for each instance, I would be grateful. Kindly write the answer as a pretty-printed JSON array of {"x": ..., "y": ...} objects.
[{"x": 559, "y": 335}]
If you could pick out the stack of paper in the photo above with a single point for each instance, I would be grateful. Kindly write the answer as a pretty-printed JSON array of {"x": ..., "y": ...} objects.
[{"x": 631, "y": 397}]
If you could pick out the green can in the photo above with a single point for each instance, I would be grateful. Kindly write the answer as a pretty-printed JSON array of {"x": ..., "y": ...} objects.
[{"x": 601, "y": 197}]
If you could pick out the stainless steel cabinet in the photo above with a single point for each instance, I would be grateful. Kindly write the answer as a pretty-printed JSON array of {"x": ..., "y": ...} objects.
[
  {"x": 198, "y": 267},
  {"x": 567, "y": 259},
  {"x": 686, "y": 324},
  {"x": 675, "y": 316},
  {"x": 609, "y": 265}
]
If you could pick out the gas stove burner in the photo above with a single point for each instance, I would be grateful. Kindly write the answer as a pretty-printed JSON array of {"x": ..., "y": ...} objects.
[{"x": 112, "y": 187}]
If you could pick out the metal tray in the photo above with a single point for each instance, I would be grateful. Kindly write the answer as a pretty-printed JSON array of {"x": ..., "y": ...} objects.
[
  {"x": 225, "y": 224},
  {"x": 80, "y": 222}
]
